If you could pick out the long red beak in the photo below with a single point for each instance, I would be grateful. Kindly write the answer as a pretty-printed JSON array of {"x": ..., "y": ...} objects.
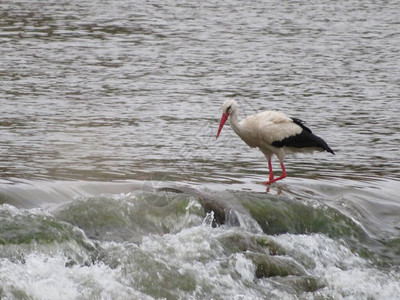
[{"x": 221, "y": 124}]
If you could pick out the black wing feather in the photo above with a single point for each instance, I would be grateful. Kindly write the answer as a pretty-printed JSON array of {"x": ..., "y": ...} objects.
[
  {"x": 304, "y": 139},
  {"x": 301, "y": 124}
]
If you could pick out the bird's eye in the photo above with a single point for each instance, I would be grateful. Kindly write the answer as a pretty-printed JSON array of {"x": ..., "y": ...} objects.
[{"x": 228, "y": 109}]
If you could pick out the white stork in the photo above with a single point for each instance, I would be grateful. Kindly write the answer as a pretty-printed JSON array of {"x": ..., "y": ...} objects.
[{"x": 273, "y": 133}]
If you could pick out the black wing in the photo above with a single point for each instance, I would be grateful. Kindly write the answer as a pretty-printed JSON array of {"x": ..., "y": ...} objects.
[{"x": 304, "y": 139}]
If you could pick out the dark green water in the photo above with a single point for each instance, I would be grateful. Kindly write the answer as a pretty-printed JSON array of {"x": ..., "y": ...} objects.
[{"x": 105, "y": 103}]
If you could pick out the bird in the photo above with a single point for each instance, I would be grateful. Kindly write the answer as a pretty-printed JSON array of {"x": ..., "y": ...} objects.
[{"x": 274, "y": 133}]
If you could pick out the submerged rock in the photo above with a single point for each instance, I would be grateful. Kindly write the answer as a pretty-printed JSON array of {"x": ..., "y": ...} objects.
[
  {"x": 223, "y": 214},
  {"x": 270, "y": 266},
  {"x": 244, "y": 242},
  {"x": 301, "y": 284},
  {"x": 23, "y": 231}
]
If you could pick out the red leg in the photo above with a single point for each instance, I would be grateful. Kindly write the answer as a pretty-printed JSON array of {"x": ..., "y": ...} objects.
[
  {"x": 283, "y": 175},
  {"x": 271, "y": 173}
]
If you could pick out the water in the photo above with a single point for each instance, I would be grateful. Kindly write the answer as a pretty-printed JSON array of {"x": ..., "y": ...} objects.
[{"x": 105, "y": 103}]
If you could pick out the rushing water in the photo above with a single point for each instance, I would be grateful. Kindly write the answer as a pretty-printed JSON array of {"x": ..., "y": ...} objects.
[{"x": 105, "y": 103}]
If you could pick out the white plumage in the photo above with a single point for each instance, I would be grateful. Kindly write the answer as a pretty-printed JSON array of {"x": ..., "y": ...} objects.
[{"x": 273, "y": 133}]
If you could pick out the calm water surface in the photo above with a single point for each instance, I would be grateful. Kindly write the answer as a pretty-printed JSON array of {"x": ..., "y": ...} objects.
[{"x": 102, "y": 101}]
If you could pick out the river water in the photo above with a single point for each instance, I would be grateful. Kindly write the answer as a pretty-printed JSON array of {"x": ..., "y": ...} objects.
[{"x": 112, "y": 185}]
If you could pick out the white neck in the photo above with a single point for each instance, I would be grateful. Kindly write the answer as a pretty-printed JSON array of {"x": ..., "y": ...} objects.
[
  {"x": 242, "y": 130},
  {"x": 235, "y": 125}
]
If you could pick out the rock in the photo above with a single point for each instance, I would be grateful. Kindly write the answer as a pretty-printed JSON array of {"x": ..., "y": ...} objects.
[{"x": 270, "y": 266}]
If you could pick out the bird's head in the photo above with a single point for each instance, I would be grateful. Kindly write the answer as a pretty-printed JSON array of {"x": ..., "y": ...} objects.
[{"x": 229, "y": 107}]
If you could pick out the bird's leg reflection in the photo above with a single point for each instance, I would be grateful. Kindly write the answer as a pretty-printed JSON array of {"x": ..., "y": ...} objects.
[{"x": 277, "y": 190}]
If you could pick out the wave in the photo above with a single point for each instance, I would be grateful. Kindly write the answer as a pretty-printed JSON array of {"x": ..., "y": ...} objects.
[{"x": 180, "y": 242}]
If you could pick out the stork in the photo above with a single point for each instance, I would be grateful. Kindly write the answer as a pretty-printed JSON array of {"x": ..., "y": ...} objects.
[{"x": 272, "y": 132}]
